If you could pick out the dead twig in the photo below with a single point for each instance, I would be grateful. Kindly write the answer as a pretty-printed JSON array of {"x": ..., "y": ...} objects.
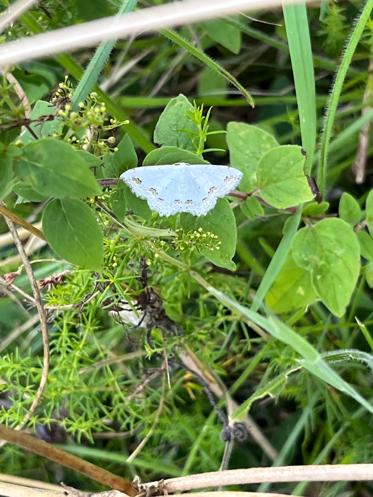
[{"x": 42, "y": 318}]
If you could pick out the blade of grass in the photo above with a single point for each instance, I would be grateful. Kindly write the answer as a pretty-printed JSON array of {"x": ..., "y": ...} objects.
[
  {"x": 331, "y": 108},
  {"x": 277, "y": 260},
  {"x": 298, "y": 35},
  {"x": 98, "y": 61},
  {"x": 311, "y": 359},
  {"x": 207, "y": 61}
]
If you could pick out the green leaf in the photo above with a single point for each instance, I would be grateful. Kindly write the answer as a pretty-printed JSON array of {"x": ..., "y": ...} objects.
[
  {"x": 251, "y": 208},
  {"x": 221, "y": 222},
  {"x": 225, "y": 34},
  {"x": 247, "y": 144},
  {"x": 42, "y": 129},
  {"x": 315, "y": 209},
  {"x": 91, "y": 160},
  {"x": 121, "y": 160},
  {"x": 171, "y": 155},
  {"x": 366, "y": 245},
  {"x": 292, "y": 289},
  {"x": 54, "y": 168},
  {"x": 27, "y": 193},
  {"x": 280, "y": 177},
  {"x": 175, "y": 125},
  {"x": 73, "y": 232},
  {"x": 369, "y": 211},
  {"x": 349, "y": 209},
  {"x": 330, "y": 251}
]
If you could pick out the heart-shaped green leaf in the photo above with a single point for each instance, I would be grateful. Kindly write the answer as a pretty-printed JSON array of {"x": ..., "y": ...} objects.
[
  {"x": 330, "y": 251},
  {"x": 175, "y": 125},
  {"x": 280, "y": 177},
  {"x": 247, "y": 144}
]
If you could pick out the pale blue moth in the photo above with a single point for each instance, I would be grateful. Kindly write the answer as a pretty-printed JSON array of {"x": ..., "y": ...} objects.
[{"x": 182, "y": 187}]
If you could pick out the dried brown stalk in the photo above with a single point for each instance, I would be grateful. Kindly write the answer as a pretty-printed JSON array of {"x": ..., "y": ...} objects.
[
  {"x": 324, "y": 472},
  {"x": 67, "y": 460}
]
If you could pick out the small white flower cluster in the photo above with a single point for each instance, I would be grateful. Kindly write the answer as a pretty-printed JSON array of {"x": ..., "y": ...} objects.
[
  {"x": 87, "y": 124},
  {"x": 196, "y": 239}
]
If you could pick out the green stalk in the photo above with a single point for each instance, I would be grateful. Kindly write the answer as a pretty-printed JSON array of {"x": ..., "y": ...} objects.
[
  {"x": 331, "y": 108},
  {"x": 277, "y": 260}
]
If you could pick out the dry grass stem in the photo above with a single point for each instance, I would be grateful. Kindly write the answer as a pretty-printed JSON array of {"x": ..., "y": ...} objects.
[
  {"x": 42, "y": 318},
  {"x": 134, "y": 23},
  {"x": 324, "y": 472},
  {"x": 66, "y": 459},
  {"x": 363, "y": 145}
]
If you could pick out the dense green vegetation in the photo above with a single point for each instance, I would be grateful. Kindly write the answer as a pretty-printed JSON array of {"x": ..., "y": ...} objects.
[{"x": 156, "y": 323}]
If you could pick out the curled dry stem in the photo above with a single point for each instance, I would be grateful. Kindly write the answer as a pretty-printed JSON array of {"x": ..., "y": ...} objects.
[{"x": 42, "y": 318}]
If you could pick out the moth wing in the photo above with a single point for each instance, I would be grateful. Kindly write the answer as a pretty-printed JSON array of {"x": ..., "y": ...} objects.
[
  {"x": 216, "y": 180},
  {"x": 154, "y": 184},
  {"x": 192, "y": 188},
  {"x": 145, "y": 181}
]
